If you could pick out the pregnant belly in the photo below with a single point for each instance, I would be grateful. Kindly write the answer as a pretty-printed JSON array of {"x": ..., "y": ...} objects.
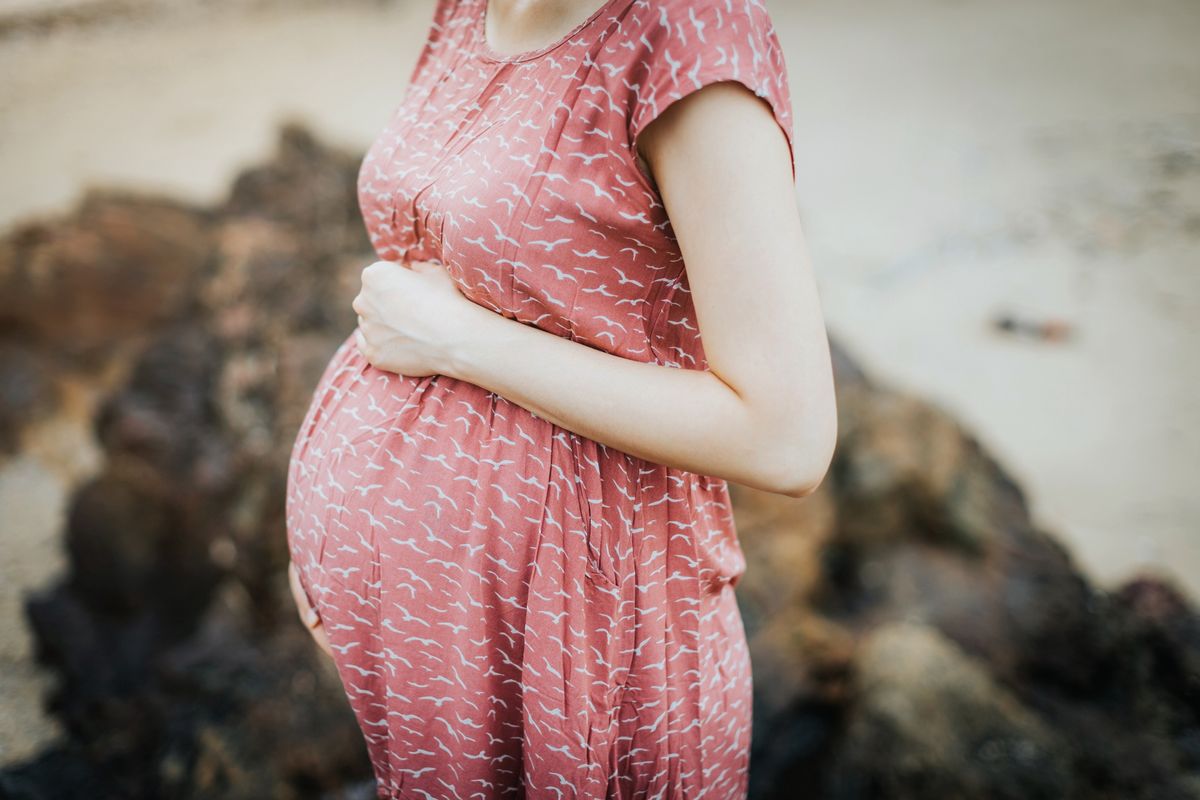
[
  {"x": 429, "y": 471},
  {"x": 434, "y": 473}
]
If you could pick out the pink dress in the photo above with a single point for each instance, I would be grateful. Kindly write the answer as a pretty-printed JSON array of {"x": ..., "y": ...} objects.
[{"x": 517, "y": 610}]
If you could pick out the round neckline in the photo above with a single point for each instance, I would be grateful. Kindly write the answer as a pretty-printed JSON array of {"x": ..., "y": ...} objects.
[{"x": 487, "y": 53}]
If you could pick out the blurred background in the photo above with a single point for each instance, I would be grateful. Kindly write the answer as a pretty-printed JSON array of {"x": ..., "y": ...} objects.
[{"x": 992, "y": 597}]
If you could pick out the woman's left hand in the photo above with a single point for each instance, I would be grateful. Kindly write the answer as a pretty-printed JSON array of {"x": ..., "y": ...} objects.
[{"x": 410, "y": 317}]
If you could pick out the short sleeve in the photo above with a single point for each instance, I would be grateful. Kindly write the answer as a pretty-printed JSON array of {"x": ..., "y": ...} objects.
[
  {"x": 681, "y": 47},
  {"x": 441, "y": 35}
]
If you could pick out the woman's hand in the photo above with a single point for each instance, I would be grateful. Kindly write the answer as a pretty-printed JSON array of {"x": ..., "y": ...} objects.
[
  {"x": 308, "y": 614},
  {"x": 411, "y": 316}
]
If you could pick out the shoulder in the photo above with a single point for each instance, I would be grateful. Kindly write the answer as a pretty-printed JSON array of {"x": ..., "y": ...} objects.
[
  {"x": 676, "y": 48},
  {"x": 695, "y": 26},
  {"x": 449, "y": 27}
]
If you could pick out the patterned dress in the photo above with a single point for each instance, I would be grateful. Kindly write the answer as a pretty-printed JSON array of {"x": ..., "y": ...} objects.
[{"x": 516, "y": 610}]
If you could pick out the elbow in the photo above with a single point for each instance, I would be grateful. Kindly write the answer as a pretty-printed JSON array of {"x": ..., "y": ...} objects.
[
  {"x": 798, "y": 482},
  {"x": 794, "y": 442},
  {"x": 798, "y": 490},
  {"x": 799, "y": 467}
]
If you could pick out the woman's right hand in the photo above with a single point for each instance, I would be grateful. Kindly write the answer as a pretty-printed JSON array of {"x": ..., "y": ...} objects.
[{"x": 308, "y": 614}]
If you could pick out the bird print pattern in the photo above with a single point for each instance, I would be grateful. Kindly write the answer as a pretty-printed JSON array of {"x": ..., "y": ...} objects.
[{"x": 516, "y": 610}]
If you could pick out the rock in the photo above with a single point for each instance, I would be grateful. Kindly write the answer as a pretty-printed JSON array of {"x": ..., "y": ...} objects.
[
  {"x": 115, "y": 268},
  {"x": 224, "y": 710},
  {"x": 28, "y": 392},
  {"x": 929, "y": 721},
  {"x": 308, "y": 187},
  {"x": 916, "y": 524},
  {"x": 182, "y": 668}
]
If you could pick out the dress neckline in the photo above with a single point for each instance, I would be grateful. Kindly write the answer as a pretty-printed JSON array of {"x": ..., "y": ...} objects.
[{"x": 488, "y": 54}]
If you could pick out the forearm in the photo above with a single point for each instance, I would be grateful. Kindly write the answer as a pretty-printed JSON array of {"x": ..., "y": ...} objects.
[{"x": 683, "y": 418}]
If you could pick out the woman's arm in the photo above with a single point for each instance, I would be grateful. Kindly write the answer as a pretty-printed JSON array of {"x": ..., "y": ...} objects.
[{"x": 765, "y": 415}]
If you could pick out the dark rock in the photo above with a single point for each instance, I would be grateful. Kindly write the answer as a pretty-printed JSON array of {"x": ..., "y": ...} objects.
[
  {"x": 182, "y": 668},
  {"x": 307, "y": 186},
  {"x": 28, "y": 392},
  {"x": 117, "y": 267},
  {"x": 929, "y": 721},
  {"x": 917, "y": 524}
]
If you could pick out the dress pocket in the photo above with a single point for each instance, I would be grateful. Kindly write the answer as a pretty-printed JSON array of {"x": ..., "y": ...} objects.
[
  {"x": 588, "y": 503},
  {"x": 599, "y": 559}
]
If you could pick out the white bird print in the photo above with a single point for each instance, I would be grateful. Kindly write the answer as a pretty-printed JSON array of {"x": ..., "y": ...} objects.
[
  {"x": 588, "y": 158},
  {"x": 371, "y": 518},
  {"x": 601, "y": 290},
  {"x": 599, "y": 191},
  {"x": 626, "y": 279},
  {"x": 552, "y": 176},
  {"x": 399, "y": 502},
  {"x": 549, "y": 245},
  {"x": 593, "y": 254},
  {"x": 614, "y": 323}
]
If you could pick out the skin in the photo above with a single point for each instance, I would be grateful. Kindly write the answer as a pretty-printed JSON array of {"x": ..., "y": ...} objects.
[
  {"x": 763, "y": 415},
  {"x": 517, "y": 26},
  {"x": 308, "y": 615}
]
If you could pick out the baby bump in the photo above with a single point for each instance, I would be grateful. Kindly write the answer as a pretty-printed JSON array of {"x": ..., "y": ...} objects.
[
  {"x": 434, "y": 471},
  {"x": 465, "y": 514}
]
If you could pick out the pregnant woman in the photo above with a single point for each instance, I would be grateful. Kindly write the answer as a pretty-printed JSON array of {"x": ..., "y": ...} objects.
[{"x": 507, "y": 507}]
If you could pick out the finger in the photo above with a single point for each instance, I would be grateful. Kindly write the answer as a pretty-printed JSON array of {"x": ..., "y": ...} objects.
[
  {"x": 308, "y": 615},
  {"x": 377, "y": 268},
  {"x": 298, "y": 596}
]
